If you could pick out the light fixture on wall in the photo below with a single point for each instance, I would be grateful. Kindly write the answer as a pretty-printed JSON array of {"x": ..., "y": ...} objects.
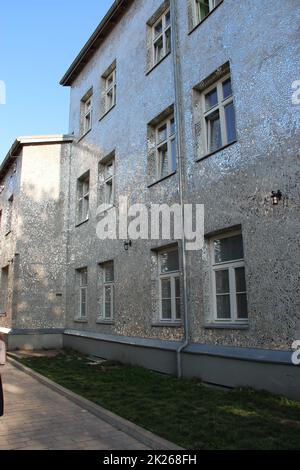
[
  {"x": 127, "y": 245},
  {"x": 276, "y": 197}
]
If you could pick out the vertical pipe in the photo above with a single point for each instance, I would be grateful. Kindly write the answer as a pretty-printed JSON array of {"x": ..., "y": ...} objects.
[{"x": 179, "y": 139}]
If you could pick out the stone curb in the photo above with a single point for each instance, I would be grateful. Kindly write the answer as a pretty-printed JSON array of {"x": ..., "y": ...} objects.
[{"x": 142, "y": 435}]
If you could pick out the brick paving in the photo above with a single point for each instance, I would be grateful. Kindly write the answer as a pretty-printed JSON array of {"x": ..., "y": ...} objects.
[{"x": 37, "y": 418}]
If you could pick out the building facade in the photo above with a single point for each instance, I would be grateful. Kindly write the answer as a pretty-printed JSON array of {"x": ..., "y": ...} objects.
[{"x": 180, "y": 102}]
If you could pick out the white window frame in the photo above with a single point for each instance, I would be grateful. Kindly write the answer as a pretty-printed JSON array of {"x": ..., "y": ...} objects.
[
  {"x": 230, "y": 266},
  {"x": 87, "y": 114},
  {"x": 196, "y": 9},
  {"x": 220, "y": 107},
  {"x": 163, "y": 35},
  {"x": 111, "y": 284},
  {"x": 168, "y": 141},
  {"x": 82, "y": 288},
  {"x": 172, "y": 276},
  {"x": 110, "y": 87},
  {"x": 83, "y": 197},
  {"x": 109, "y": 179}
]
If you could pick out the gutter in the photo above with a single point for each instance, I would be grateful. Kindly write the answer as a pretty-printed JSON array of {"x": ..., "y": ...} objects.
[{"x": 180, "y": 146}]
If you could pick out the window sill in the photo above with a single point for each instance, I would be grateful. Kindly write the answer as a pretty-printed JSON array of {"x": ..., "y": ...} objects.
[
  {"x": 7, "y": 233},
  {"x": 158, "y": 63},
  {"x": 167, "y": 324},
  {"x": 216, "y": 151},
  {"x": 107, "y": 112},
  {"x": 207, "y": 16},
  {"x": 3, "y": 314},
  {"x": 162, "y": 179},
  {"x": 80, "y": 320},
  {"x": 100, "y": 321},
  {"x": 81, "y": 223},
  {"x": 107, "y": 209},
  {"x": 226, "y": 326},
  {"x": 84, "y": 135}
]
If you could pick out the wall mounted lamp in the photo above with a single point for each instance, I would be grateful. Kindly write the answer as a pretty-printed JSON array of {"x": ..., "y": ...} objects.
[
  {"x": 276, "y": 197},
  {"x": 127, "y": 245}
]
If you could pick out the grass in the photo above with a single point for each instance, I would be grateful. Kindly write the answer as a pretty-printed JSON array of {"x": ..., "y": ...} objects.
[{"x": 182, "y": 411}]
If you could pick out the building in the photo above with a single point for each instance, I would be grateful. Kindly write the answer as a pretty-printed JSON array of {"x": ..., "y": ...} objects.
[{"x": 175, "y": 102}]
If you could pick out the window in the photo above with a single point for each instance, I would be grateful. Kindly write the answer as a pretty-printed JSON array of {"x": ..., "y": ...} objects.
[
  {"x": 110, "y": 91},
  {"x": 9, "y": 214},
  {"x": 4, "y": 289},
  {"x": 86, "y": 112},
  {"x": 228, "y": 277},
  {"x": 169, "y": 285},
  {"x": 109, "y": 189},
  {"x": 82, "y": 280},
  {"x": 165, "y": 138},
  {"x": 202, "y": 8},
  {"x": 0, "y": 219},
  {"x": 83, "y": 196},
  {"x": 219, "y": 115},
  {"x": 161, "y": 37},
  {"x": 108, "y": 276}
]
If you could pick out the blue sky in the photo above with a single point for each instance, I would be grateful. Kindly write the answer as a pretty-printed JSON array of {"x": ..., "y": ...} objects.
[{"x": 39, "y": 40}]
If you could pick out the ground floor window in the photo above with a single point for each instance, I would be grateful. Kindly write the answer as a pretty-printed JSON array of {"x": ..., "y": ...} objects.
[{"x": 169, "y": 285}]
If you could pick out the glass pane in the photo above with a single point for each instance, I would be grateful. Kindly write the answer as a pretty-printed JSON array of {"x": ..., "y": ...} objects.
[
  {"x": 168, "y": 40},
  {"x": 172, "y": 126},
  {"x": 163, "y": 161},
  {"x": 169, "y": 261},
  {"x": 162, "y": 133},
  {"x": 88, "y": 122},
  {"x": 240, "y": 280},
  {"x": 174, "y": 155},
  {"x": 166, "y": 310},
  {"x": 109, "y": 170},
  {"x": 110, "y": 99},
  {"x": 85, "y": 208},
  {"x": 177, "y": 287},
  {"x": 214, "y": 131},
  {"x": 227, "y": 90},
  {"x": 166, "y": 288},
  {"x": 107, "y": 312},
  {"x": 109, "y": 272},
  {"x": 108, "y": 294},
  {"x": 158, "y": 50},
  {"x": 229, "y": 249},
  {"x": 242, "y": 310},
  {"x": 178, "y": 309},
  {"x": 223, "y": 306},
  {"x": 211, "y": 99},
  {"x": 109, "y": 192},
  {"x": 168, "y": 19},
  {"x": 158, "y": 29},
  {"x": 222, "y": 282},
  {"x": 230, "y": 122},
  {"x": 83, "y": 309},
  {"x": 80, "y": 210},
  {"x": 203, "y": 8},
  {"x": 83, "y": 277}
]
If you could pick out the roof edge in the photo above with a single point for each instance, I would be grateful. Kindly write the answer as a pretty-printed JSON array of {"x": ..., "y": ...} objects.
[{"x": 100, "y": 33}]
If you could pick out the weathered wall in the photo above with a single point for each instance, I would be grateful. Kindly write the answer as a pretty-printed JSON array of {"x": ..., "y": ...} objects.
[
  {"x": 260, "y": 40},
  {"x": 42, "y": 237}
]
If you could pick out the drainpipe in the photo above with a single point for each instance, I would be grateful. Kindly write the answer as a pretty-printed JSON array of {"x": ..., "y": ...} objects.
[{"x": 180, "y": 146}]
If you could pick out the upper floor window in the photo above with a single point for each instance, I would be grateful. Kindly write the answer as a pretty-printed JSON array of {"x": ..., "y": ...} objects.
[
  {"x": 4, "y": 290},
  {"x": 110, "y": 91},
  {"x": 166, "y": 147},
  {"x": 83, "y": 197},
  {"x": 9, "y": 214},
  {"x": 228, "y": 278},
  {"x": 169, "y": 285},
  {"x": 86, "y": 112},
  {"x": 109, "y": 190},
  {"x": 214, "y": 112},
  {"x": 161, "y": 32},
  {"x": 200, "y": 9}
]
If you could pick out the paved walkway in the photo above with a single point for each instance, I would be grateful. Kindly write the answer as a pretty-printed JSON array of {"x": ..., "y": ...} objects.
[{"x": 39, "y": 418}]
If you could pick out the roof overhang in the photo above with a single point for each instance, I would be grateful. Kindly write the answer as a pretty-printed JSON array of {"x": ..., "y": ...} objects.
[
  {"x": 107, "y": 24},
  {"x": 20, "y": 142}
]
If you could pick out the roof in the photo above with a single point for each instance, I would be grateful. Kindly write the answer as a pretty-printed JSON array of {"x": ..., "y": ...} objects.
[
  {"x": 30, "y": 140},
  {"x": 102, "y": 31}
]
